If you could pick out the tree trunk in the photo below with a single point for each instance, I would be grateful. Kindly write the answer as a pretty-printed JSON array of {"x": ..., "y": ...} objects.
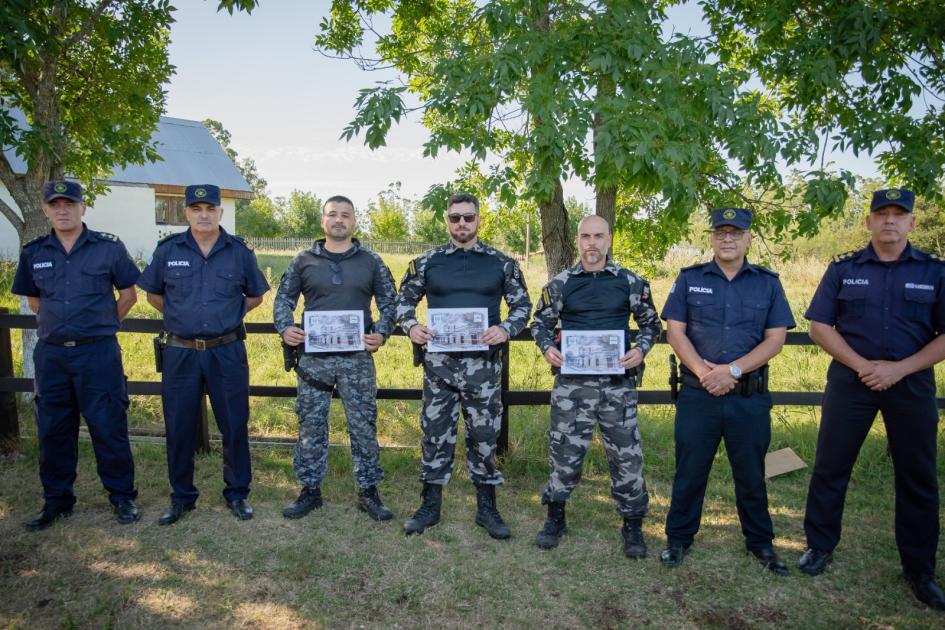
[
  {"x": 555, "y": 237},
  {"x": 607, "y": 204}
]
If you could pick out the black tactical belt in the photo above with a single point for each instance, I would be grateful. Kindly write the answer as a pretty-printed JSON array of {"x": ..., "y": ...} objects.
[
  {"x": 204, "y": 344},
  {"x": 72, "y": 343}
]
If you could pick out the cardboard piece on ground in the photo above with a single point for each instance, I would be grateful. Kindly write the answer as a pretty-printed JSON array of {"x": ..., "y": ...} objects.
[{"x": 783, "y": 461}]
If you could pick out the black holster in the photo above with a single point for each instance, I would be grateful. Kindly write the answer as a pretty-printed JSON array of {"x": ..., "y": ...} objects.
[
  {"x": 159, "y": 353},
  {"x": 418, "y": 353},
  {"x": 290, "y": 360}
]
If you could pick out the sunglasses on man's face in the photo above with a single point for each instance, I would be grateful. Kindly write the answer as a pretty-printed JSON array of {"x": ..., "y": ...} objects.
[{"x": 468, "y": 218}]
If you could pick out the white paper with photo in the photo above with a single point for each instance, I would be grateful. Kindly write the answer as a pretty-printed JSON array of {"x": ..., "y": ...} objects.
[
  {"x": 334, "y": 331},
  {"x": 457, "y": 329},
  {"x": 592, "y": 351}
]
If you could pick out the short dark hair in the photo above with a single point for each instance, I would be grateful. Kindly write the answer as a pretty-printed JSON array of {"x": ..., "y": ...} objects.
[
  {"x": 462, "y": 198},
  {"x": 337, "y": 199}
]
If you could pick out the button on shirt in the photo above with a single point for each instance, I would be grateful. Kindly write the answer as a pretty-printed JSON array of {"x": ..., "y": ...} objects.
[
  {"x": 76, "y": 289},
  {"x": 884, "y": 310},
  {"x": 725, "y": 319},
  {"x": 203, "y": 297}
]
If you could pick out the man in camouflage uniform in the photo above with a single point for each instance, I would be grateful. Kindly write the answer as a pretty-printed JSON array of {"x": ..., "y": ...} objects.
[
  {"x": 596, "y": 294},
  {"x": 464, "y": 273},
  {"x": 336, "y": 274}
]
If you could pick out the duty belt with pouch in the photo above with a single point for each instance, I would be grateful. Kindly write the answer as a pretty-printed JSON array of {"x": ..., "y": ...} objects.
[
  {"x": 754, "y": 382},
  {"x": 420, "y": 350},
  {"x": 170, "y": 339}
]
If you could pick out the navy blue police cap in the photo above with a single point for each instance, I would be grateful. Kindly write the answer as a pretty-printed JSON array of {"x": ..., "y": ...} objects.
[
  {"x": 901, "y": 197},
  {"x": 202, "y": 193},
  {"x": 57, "y": 188},
  {"x": 736, "y": 217}
]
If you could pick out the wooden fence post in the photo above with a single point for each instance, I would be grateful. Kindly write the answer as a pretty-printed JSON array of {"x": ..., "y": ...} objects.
[
  {"x": 503, "y": 441},
  {"x": 203, "y": 429},
  {"x": 9, "y": 420}
]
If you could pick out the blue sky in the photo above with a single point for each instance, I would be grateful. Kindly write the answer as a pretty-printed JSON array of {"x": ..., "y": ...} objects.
[{"x": 285, "y": 104}]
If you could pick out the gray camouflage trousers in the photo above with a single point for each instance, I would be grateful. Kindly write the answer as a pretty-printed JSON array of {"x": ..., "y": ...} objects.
[
  {"x": 578, "y": 403},
  {"x": 451, "y": 383},
  {"x": 353, "y": 375}
]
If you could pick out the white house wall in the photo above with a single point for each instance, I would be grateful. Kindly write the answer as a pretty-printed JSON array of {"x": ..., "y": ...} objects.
[{"x": 127, "y": 211}]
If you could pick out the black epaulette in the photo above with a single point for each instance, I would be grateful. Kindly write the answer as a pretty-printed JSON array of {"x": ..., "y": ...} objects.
[
  {"x": 696, "y": 266},
  {"x": 168, "y": 237},
  {"x": 242, "y": 241},
  {"x": 36, "y": 240},
  {"x": 845, "y": 256},
  {"x": 763, "y": 269},
  {"x": 107, "y": 236}
]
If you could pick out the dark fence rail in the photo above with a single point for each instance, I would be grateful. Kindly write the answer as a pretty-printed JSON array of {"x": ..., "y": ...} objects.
[{"x": 9, "y": 384}]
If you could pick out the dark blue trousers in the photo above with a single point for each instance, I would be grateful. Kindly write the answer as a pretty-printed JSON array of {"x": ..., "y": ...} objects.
[
  {"x": 225, "y": 373},
  {"x": 86, "y": 380},
  {"x": 911, "y": 419},
  {"x": 702, "y": 421}
]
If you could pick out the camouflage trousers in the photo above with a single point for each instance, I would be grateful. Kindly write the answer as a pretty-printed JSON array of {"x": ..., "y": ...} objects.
[
  {"x": 578, "y": 403},
  {"x": 354, "y": 376},
  {"x": 449, "y": 384}
]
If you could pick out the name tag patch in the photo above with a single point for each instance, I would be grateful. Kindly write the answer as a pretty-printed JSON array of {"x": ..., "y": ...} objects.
[
  {"x": 47, "y": 264},
  {"x": 178, "y": 263},
  {"x": 856, "y": 281},
  {"x": 707, "y": 290},
  {"x": 924, "y": 287}
]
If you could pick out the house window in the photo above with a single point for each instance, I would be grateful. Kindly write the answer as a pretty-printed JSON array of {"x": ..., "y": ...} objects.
[{"x": 169, "y": 210}]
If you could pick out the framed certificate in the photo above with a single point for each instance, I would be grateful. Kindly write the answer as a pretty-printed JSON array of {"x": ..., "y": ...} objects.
[
  {"x": 592, "y": 352},
  {"x": 457, "y": 329},
  {"x": 334, "y": 331}
]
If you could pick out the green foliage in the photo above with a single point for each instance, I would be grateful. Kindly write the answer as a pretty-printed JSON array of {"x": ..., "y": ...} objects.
[
  {"x": 259, "y": 217},
  {"x": 390, "y": 214},
  {"x": 848, "y": 75},
  {"x": 301, "y": 215},
  {"x": 246, "y": 166},
  {"x": 427, "y": 226},
  {"x": 89, "y": 78}
]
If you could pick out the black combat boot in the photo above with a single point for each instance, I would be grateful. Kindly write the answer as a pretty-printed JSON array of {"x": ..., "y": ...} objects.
[
  {"x": 633, "y": 544},
  {"x": 309, "y": 499},
  {"x": 370, "y": 501},
  {"x": 487, "y": 515},
  {"x": 428, "y": 514},
  {"x": 555, "y": 526}
]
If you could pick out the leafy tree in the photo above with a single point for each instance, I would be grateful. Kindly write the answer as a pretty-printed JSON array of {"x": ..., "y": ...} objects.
[
  {"x": 427, "y": 225},
  {"x": 848, "y": 74},
  {"x": 529, "y": 81},
  {"x": 300, "y": 215},
  {"x": 258, "y": 217},
  {"x": 87, "y": 77},
  {"x": 246, "y": 166},
  {"x": 389, "y": 215}
]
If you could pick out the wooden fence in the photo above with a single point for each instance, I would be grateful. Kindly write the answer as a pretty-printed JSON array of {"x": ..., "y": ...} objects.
[{"x": 10, "y": 384}]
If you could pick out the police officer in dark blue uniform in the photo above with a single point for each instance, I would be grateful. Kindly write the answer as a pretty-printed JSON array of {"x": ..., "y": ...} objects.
[
  {"x": 68, "y": 278},
  {"x": 879, "y": 312},
  {"x": 725, "y": 319},
  {"x": 204, "y": 280}
]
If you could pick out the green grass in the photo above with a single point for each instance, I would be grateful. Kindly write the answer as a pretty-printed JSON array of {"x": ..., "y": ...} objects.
[{"x": 338, "y": 569}]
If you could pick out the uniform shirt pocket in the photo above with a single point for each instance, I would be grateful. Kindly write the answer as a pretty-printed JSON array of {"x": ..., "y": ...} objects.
[
  {"x": 755, "y": 312},
  {"x": 228, "y": 283},
  {"x": 919, "y": 304},
  {"x": 702, "y": 308},
  {"x": 180, "y": 281},
  {"x": 852, "y": 301},
  {"x": 45, "y": 280},
  {"x": 94, "y": 281}
]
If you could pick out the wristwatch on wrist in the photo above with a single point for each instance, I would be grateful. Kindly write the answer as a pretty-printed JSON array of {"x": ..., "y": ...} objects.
[{"x": 734, "y": 370}]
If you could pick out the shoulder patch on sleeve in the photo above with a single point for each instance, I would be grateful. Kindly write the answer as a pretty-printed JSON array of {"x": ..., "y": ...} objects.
[
  {"x": 844, "y": 256},
  {"x": 412, "y": 267},
  {"x": 546, "y": 295}
]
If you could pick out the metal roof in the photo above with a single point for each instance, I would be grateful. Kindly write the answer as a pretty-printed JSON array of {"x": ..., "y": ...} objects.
[{"x": 191, "y": 156}]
